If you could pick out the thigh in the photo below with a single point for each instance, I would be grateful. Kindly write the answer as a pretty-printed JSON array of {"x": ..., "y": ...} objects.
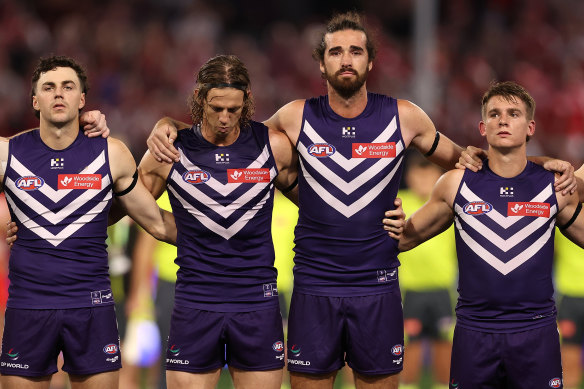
[
  {"x": 375, "y": 333},
  {"x": 315, "y": 334},
  {"x": 91, "y": 342},
  {"x": 196, "y": 342},
  {"x": 255, "y": 340},
  {"x": 476, "y": 360},
  {"x": 16, "y": 382},
  {"x": 533, "y": 358},
  {"x": 30, "y": 342},
  {"x": 187, "y": 380},
  {"x": 108, "y": 380},
  {"x": 269, "y": 379}
]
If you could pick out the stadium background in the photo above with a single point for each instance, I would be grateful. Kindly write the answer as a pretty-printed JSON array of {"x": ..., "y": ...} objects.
[{"x": 141, "y": 57}]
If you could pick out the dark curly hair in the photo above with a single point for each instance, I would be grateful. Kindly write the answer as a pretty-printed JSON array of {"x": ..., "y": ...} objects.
[
  {"x": 220, "y": 72},
  {"x": 51, "y": 63},
  {"x": 346, "y": 21}
]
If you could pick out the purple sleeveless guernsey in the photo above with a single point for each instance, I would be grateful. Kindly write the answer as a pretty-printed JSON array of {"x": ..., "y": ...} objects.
[
  {"x": 350, "y": 170},
  {"x": 60, "y": 201},
  {"x": 222, "y": 200},
  {"x": 505, "y": 246}
]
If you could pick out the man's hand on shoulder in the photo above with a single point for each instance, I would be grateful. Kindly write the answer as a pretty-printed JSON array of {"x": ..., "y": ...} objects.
[
  {"x": 160, "y": 141},
  {"x": 94, "y": 124},
  {"x": 566, "y": 181},
  {"x": 471, "y": 158}
]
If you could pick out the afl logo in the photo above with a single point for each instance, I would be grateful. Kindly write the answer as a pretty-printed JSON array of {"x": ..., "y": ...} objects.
[
  {"x": 477, "y": 208},
  {"x": 110, "y": 349},
  {"x": 397, "y": 350},
  {"x": 278, "y": 346},
  {"x": 321, "y": 150},
  {"x": 196, "y": 176},
  {"x": 555, "y": 382},
  {"x": 29, "y": 183}
]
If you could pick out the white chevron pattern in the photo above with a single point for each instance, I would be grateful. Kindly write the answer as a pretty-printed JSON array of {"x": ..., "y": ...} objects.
[
  {"x": 55, "y": 196},
  {"x": 226, "y": 233},
  {"x": 505, "y": 222},
  {"x": 55, "y": 240},
  {"x": 223, "y": 189},
  {"x": 348, "y": 165}
]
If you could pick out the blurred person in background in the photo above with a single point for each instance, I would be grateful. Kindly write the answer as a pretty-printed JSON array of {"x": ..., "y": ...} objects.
[
  {"x": 427, "y": 278},
  {"x": 154, "y": 278},
  {"x": 568, "y": 276}
]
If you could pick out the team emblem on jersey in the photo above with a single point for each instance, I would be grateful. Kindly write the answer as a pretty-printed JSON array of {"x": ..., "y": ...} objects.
[
  {"x": 79, "y": 181},
  {"x": 111, "y": 349},
  {"x": 397, "y": 350},
  {"x": 248, "y": 175},
  {"x": 528, "y": 209},
  {"x": 196, "y": 176},
  {"x": 29, "y": 183},
  {"x": 555, "y": 382},
  {"x": 321, "y": 150},
  {"x": 278, "y": 346},
  {"x": 477, "y": 208},
  {"x": 373, "y": 150}
]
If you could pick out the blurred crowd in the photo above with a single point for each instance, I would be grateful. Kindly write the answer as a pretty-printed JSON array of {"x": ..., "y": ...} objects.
[{"x": 141, "y": 57}]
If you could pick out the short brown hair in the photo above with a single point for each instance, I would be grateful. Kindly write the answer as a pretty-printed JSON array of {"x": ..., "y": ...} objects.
[
  {"x": 345, "y": 21},
  {"x": 222, "y": 71},
  {"x": 55, "y": 61},
  {"x": 508, "y": 90}
]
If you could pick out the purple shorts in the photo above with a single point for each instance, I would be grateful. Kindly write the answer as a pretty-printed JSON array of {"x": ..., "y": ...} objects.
[
  {"x": 528, "y": 359},
  {"x": 365, "y": 331},
  {"x": 33, "y": 339},
  {"x": 201, "y": 341}
]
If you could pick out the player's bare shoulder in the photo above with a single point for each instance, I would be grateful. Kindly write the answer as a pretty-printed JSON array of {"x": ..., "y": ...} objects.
[
  {"x": 121, "y": 160},
  {"x": 447, "y": 185},
  {"x": 288, "y": 119},
  {"x": 413, "y": 121}
]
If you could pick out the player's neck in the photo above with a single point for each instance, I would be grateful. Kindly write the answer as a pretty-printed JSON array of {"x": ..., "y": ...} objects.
[
  {"x": 507, "y": 163},
  {"x": 348, "y": 108},
  {"x": 59, "y": 136},
  {"x": 220, "y": 139}
]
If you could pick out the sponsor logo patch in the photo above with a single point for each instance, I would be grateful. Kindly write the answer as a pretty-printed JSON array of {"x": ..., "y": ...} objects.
[
  {"x": 110, "y": 349},
  {"x": 348, "y": 132},
  {"x": 528, "y": 209},
  {"x": 373, "y": 150},
  {"x": 57, "y": 163},
  {"x": 477, "y": 208},
  {"x": 29, "y": 183},
  {"x": 506, "y": 191},
  {"x": 101, "y": 296},
  {"x": 196, "y": 176},
  {"x": 278, "y": 346},
  {"x": 270, "y": 290},
  {"x": 79, "y": 181},
  {"x": 321, "y": 150},
  {"x": 295, "y": 350},
  {"x": 397, "y": 350},
  {"x": 555, "y": 382},
  {"x": 386, "y": 275},
  {"x": 248, "y": 175},
  {"x": 13, "y": 355},
  {"x": 222, "y": 158}
]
